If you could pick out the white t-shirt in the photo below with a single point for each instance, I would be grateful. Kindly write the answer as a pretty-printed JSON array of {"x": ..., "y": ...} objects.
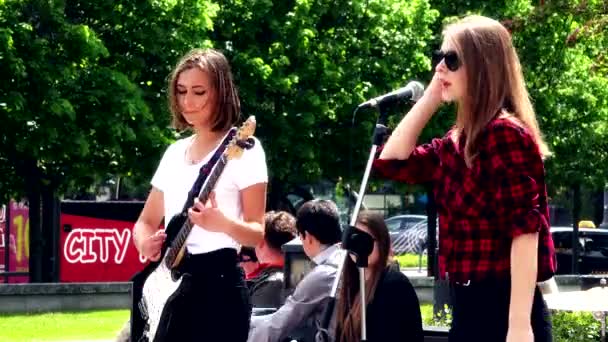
[{"x": 175, "y": 177}]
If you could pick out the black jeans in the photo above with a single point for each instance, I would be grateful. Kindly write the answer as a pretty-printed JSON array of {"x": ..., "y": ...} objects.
[
  {"x": 481, "y": 313},
  {"x": 213, "y": 304}
]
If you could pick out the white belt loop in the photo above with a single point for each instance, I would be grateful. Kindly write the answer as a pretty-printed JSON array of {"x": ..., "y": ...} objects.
[
  {"x": 447, "y": 276},
  {"x": 463, "y": 284}
]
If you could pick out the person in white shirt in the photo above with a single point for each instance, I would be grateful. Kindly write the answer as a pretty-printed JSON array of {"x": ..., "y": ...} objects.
[{"x": 216, "y": 305}]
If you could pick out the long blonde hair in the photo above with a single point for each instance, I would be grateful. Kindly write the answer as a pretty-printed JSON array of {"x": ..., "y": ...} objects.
[{"x": 495, "y": 82}]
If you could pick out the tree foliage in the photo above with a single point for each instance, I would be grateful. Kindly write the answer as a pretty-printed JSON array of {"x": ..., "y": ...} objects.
[
  {"x": 84, "y": 87},
  {"x": 303, "y": 66},
  {"x": 84, "y": 93},
  {"x": 562, "y": 45}
]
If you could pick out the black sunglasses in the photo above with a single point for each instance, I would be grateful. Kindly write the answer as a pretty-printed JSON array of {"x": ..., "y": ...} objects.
[
  {"x": 242, "y": 259},
  {"x": 450, "y": 57}
]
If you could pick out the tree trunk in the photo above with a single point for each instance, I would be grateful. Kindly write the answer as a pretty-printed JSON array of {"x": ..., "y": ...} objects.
[
  {"x": 50, "y": 234},
  {"x": 604, "y": 223},
  {"x": 441, "y": 287},
  {"x": 275, "y": 195},
  {"x": 32, "y": 177},
  {"x": 576, "y": 215},
  {"x": 431, "y": 248}
]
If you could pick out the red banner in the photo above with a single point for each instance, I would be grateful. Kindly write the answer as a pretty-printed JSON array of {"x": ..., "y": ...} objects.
[
  {"x": 17, "y": 242},
  {"x": 94, "y": 249},
  {"x": 3, "y": 242}
]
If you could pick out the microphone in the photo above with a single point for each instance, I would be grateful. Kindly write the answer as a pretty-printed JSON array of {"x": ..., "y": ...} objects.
[{"x": 413, "y": 91}]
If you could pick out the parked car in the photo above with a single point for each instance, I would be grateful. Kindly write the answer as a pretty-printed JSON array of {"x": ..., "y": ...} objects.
[
  {"x": 408, "y": 233},
  {"x": 399, "y": 223},
  {"x": 592, "y": 250}
]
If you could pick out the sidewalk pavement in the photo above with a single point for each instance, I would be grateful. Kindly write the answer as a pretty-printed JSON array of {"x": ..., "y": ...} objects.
[{"x": 412, "y": 272}]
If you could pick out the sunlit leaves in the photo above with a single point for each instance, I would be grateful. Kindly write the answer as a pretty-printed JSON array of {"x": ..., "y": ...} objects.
[{"x": 302, "y": 67}]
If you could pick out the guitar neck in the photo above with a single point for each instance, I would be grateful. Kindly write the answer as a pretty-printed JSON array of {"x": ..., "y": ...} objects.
[{"x": 180, "y": 239}]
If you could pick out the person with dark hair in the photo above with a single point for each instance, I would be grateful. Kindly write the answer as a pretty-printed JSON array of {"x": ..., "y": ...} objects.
[
  {"x": 266, "y": 280},
  {"x": 393, "y": 310},
  {"x": 318, "y": 227},
  {"x": 215, "y": 304},
  {"x": 488, "y": 180}
]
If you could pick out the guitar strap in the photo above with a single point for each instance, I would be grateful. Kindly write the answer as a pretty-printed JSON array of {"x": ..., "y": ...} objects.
[{"x": 205, "y": 170}]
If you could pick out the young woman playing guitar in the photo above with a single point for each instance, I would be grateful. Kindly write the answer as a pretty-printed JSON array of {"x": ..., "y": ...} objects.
[{"x": 215, "y": 304}]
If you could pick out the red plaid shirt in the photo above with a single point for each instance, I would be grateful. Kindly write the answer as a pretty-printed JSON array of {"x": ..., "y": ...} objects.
[{"x": 483, "y": 208}]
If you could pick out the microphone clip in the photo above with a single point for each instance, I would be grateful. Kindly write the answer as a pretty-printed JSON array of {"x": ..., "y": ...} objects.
[{"x": 381, "y": 133}]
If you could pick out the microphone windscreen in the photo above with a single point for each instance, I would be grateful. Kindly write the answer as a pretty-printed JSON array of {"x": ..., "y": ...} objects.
[{"x": 357, "y": 241}]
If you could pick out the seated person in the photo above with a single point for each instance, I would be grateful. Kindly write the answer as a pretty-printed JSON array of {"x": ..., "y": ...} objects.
[
  {"x": 318, "y": 226},
  {"x": 266, "y": 282},
  {"x": 393, "y": 310}
]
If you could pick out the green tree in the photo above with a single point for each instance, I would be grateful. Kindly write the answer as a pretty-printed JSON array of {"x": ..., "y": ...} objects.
[
  {"x": 303, "y": 66},
  {"x": 562, "y": 45},
  {"x": 53, "y": 82},
  {"x": 567, "y": 66},
  {"x": 563, "y": 48},
  {"x": 82, "y": 94},
  {"x": 145, "y": 40}
]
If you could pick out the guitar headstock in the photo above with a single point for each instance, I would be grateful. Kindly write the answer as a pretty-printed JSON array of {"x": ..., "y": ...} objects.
[{"x": 242, "y": 139}]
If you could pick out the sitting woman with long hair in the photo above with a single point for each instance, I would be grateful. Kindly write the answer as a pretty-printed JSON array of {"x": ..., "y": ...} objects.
[{"x": 393, "y": 310}]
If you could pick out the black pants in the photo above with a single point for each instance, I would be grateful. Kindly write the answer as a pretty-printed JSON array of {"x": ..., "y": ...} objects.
[
  {"x": 213, "y": 304},
  {"x": 481, "y": 313}
]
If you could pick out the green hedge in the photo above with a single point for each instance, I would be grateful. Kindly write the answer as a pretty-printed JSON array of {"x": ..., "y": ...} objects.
[
  {"x": 575, "y": 327},
  {"x": 567, "y": 326}
]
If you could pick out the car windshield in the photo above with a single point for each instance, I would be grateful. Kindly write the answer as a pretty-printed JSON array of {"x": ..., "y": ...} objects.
[
  {"x": 591, "y": 241},
  {"x": 404, "y": 222},
  {"x": 413, "y": 221},
  {"x": 393, "y": 225}
]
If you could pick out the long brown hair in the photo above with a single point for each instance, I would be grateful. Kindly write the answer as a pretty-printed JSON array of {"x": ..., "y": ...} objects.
[
  {"x": 215, "y": 64},
  {"x": 349, "y": 303},
  {"x": 495, "y": 82}
]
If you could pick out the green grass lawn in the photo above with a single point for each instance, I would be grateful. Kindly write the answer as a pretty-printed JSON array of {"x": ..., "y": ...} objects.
[
  {"x": 410, "y": 260},
  {"x": 104, "y": 325},
  {"x": 78, "y": 326},
  {"x": 64, "y": 326}
]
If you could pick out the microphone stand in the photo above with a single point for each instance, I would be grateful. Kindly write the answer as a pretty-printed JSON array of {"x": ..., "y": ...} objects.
[
  {"x": 359, "y": 244},
  {"x": 354, "y": 241}
]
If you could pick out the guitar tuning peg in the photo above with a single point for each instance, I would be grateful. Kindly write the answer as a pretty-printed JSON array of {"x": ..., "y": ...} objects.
[{"x": 246, "y": 144}]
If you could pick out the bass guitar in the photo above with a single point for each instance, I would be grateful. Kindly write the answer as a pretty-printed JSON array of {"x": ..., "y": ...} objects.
[{"x": 158, "y": 281}]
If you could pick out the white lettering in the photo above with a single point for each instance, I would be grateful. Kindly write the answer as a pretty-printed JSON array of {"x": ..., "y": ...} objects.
[
  {"x": 90, "y": 245},
  {"x": 121, "y": 244},
  {"x": 2, "y": 221}
]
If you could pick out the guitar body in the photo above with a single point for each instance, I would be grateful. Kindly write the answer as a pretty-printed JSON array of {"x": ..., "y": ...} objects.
[{"x": 155, "y": 287}]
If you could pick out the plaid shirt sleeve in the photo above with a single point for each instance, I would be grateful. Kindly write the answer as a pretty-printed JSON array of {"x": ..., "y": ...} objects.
[
  {"x": 420, "y": 167},
  {"x": 518, "y": 171}
]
